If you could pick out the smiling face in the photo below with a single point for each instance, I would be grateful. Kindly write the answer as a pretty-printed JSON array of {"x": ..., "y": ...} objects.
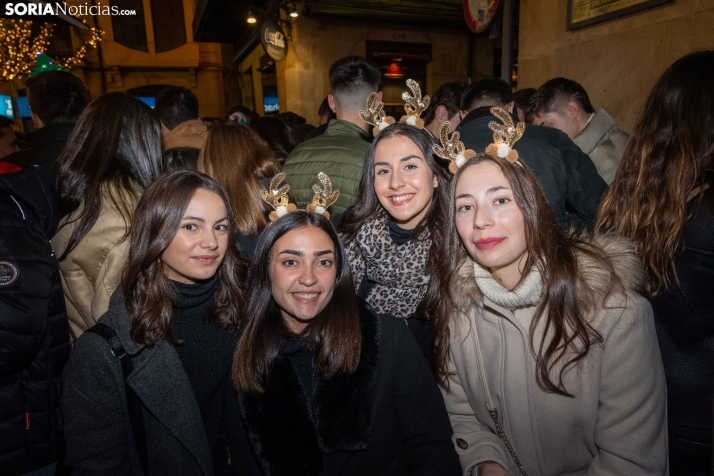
[
  {"x": 403, "y": 181},
  {"x": 199, "y": 246},
  {"x": 302, "y": 275},
  {"x": 489, "y": 222}
]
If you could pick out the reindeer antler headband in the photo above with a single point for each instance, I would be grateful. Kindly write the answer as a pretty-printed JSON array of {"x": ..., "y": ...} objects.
[
  {"x": 277, "y": 197},
  {"x": 504, "y": 135},
  {"x": 323, "y": 198},
  {"x": 452, "y": 149},
  {"x": 414, "y": 105},
  {"x": 375, "y": 114}
]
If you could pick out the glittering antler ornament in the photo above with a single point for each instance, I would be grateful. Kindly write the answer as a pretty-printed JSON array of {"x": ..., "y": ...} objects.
[
  {"x": 323, "y": 197},
  {"x": 452, "y": 149},
  {"x": 414, "y": 105},
  {"x": 277, "y": 197},
  {"x": 504, "y": 135},
  {"x": 375, "y": 114}
]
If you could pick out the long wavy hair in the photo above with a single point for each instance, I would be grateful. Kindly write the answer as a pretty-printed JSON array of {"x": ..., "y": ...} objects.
[
  {"x": 668, "y": 156},
  {"x": 334, "y": 334},
  {"x": 148, "y": 293},
  {"x": 240, "y": 161},
  {"x": 433, "y": 306},
  {"x": 114, "y": 149},
  {"x": 566, "y": 303}
]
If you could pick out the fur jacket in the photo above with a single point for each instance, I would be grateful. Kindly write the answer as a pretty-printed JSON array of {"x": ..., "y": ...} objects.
[
  {"x": 385, "y": 419},
  {"x": 616, "y": 422}
]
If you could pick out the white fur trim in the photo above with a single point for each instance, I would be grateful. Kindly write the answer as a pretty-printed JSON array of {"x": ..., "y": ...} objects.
[
  {"x": 383, "y": 125},
  {"x": 460, "y": 160},
  {"x": 411, "y": 120},
  {"x": 319, "y": 210},
  {"x": 281, "y": 211},
  {"x": 503, "y": 150}
]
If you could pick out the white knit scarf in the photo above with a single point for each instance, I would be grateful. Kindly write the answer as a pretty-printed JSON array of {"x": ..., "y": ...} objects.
[{"x": 528, "y": 293}]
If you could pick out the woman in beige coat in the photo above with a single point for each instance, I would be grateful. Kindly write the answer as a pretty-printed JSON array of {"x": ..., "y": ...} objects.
[
  {"x": 556, "y": 365},
  {"x": 113, "y": 154}
]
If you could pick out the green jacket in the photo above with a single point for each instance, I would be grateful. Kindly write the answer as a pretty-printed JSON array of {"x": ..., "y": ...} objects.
[
  {"x": 339, "y": 153},
  {"x": 566, "y": 174},
  {"x": 604, "y": 143}
]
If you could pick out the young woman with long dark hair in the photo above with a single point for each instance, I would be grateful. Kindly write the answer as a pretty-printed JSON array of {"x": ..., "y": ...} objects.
[
  {"x": 243, "y": 164},
  {"x": 324, "y": 386},
  {"x": 112, "y": 155},
  {"x": 662, "y": 199},
  {"x": 174, "y": 318},
  {"x": 393, "y": 236},
  {"x": 555, "y": 361}
]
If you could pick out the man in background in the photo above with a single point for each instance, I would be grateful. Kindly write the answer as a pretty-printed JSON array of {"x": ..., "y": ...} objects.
[
  {"x": 445, "y": 105},
  {"x": 8, "y": 139},
  {"x": 56, "y": 99},
  {"x": 565, "y": 105}
]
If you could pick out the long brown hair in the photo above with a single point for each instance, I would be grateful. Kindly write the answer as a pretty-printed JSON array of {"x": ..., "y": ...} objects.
[
  {"x": 334, "y": 333},
  {"x": 433, "y": 306},
  {"x": 114, "y": 148},
  {"x": 148, "y": 293},
  {"x": 567, "y": 335},
  {"x": 238, "y": 159},
  {"x": 666, "y": 159}
]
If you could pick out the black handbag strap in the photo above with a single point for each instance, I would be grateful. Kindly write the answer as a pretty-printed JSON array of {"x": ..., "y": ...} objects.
[{"x": 136, "y": 414}]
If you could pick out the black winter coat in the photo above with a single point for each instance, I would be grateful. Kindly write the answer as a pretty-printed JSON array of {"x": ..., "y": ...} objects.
[
  {"x": 386, "y": 419},
  {"x": 684, "y": 320},
  {"x": 99, "y": 438},
  {"x": 567, "y": 175},
  {"x": 34, "y": 333},
  {"x": 47, "y": 145}
]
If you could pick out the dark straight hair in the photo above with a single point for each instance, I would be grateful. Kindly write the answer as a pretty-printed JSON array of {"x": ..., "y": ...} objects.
[
  {"x": 433, "y": 306},
  {"x": 115, "y": 148},
  {"x": 148, "y": 293},
  {"x": 567, "y": 334},
  {"x": 334, "y": 334}
]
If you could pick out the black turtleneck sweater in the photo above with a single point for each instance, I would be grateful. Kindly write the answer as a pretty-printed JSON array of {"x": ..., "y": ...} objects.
[
  {"x": 397, "y": 234},
  {"x": 206, "y": 352}
]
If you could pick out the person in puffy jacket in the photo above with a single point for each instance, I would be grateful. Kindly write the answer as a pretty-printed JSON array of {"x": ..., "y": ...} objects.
[{"x": 34, "y": 335}]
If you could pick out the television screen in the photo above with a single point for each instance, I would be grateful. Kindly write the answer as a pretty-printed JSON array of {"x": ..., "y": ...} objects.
[
  {"x": 6, "y": 108},
  {"x": 270, "y": 100},
  {"x": 148, "y": 100},
  {"x": 23, "y": 108}
]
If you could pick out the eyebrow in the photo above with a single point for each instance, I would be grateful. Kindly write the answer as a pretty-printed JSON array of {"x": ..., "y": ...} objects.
[
  {"x": 490, "y": 190},
  {"x": 300, "y": 253},
  {"x": 190, "y": 217},
  {"x": 403, "y": 159}
]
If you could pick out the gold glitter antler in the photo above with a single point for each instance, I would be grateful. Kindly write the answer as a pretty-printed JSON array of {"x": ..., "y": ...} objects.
[
  {"x": 278, "y": 197},
  {"x": 323, "y": 198},
  {"x": 375, "y": 114},
  {"x": 452, "y": 149},
  {"x": 414, "y": 105},
  {"x": 504, "y": 135}
]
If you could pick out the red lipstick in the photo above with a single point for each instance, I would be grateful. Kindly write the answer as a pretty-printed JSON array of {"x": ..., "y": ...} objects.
[{"x": 488, "y": 243}]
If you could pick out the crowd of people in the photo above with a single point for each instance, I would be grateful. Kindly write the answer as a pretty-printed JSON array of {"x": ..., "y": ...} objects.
[{"x": 498, "y": 283}]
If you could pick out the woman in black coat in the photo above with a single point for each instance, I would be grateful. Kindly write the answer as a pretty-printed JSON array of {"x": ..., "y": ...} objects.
[
  {"x": 324, "y": 386},
  {"x": 170, "y": 327}
]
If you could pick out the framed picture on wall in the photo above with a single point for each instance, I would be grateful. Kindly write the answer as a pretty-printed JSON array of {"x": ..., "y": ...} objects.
[{"x": 582, "y": 13}]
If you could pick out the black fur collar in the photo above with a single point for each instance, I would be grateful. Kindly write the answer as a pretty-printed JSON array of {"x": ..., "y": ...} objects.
[{"x": 284, "y": 437}]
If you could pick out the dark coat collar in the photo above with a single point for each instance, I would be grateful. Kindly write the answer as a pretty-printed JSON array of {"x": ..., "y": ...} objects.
[
  {"x": 157, "y": 373},
  {"x": 52, "y": 133},
  {"x": 285, "y": 439},
  {"x": 480, "y": 112}
]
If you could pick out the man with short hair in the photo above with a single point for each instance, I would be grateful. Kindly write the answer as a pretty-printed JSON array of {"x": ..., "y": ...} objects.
[
  {"x": 340, "y": 151},
  {"x": 445, "y": 105},
  {"x": 56, "y": 99},
  {"x": 565, "y": 105},
  {"x": 567, "y": 176},
  {"x": 175, "y": 105}
]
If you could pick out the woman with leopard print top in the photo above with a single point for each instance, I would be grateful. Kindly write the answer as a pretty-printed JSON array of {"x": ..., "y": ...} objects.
[{"x": 393, "y": 233}]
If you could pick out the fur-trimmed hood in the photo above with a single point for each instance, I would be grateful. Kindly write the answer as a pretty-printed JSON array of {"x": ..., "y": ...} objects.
[{"x": 594, "y": 279}]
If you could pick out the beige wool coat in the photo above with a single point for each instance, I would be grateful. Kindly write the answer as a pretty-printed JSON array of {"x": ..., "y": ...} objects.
[
  {"x": 604, "y": 143},
  {"x": 615, "y": 425},
  {"x": 92, "y": 270}
]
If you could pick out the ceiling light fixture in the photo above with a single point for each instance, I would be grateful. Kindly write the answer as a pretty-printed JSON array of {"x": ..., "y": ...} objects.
[
  {"x": 293, "y": 11},
  {"x": 251, "y": 18}
]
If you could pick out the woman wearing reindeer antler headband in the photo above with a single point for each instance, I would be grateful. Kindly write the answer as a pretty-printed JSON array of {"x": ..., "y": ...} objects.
[
  {"x": 392, "y": 233},
  {"x": 555, "y": 367}
]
